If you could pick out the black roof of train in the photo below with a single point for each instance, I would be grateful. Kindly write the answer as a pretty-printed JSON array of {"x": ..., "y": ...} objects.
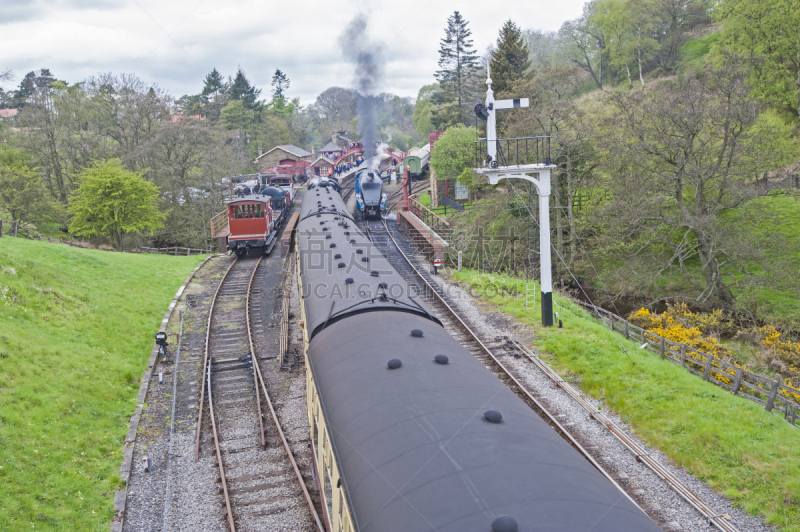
[
  {"x": 417, "y": 454},
  {"x": 332, "y": 250}
]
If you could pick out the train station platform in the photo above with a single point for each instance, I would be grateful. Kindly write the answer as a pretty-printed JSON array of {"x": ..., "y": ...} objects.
[{"x": 426, "y": 239}]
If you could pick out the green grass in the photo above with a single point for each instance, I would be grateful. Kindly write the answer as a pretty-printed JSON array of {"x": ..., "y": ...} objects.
[
  {"x": 76, "y": 330},
  {"x": 731, "y": 443}
]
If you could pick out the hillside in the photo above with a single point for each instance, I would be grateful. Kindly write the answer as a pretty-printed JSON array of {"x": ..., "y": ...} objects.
[{"x": 77, "y": 329}]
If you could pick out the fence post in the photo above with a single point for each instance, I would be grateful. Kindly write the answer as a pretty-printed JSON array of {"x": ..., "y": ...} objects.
[
  {"x": 611, "y": 322},
  {"x": 187, "y": 251},
  {"x": 627, "y": 332},
  {"x": 707, "y": 372},
  {"x": 794, "y": 414},
  {"x": 1, "y": 227},
  {"x": 459, "y": 254},
  {"x": 737, "y": 381},
  {"x": 176, "y": 251},
  {"x": 16, "y": 227},
  {"x": 772, "y": 393},
  {"x": 683, "y": 354},
  {"x": 663, "y": 346}
]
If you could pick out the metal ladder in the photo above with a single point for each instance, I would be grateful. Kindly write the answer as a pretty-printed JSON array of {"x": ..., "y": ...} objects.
[{"x": 530, "y": 295}]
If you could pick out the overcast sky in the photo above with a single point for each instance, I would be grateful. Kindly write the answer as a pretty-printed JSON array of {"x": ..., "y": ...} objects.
[{"x": 175, "y": 43}]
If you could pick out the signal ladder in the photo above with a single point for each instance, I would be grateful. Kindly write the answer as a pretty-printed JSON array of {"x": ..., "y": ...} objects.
[{"x": 530, "y": 295}]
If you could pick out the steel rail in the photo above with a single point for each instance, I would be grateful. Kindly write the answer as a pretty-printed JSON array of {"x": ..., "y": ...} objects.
[
  {"x": 219, "y": 453},
  {"x": 550, "y": 418},
  {"x": 713, "y": 517},
  {"x": 282, "y": 436},
  {"x": 253, "y": 353},
  {"x": 205, "y": 360}
]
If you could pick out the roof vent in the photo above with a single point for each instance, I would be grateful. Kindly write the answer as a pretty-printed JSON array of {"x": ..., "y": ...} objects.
[
  {"x": 333, "y": 244},
  {"x": 352, "y": 240},
  {"x": 359, "y": 251},
  {"x": 364, "y": 259},
  {"x": 324, "y": 228},
  {"x": 335, "y": 217},
  {"x": 341, "y": 265},
  {"x": 347, "y": 233},
  {"x": 327, "y": 236},
  {"x": 319, "y": 216},
  {"x": 349, "y": 280},
  {"x": 493, "y": 416},
  {"x": 416, "y": 333},
  {"x": 337, "y": 256},
  {"x": 383, "y": 285},
  {"x": 394, "y": 363},
  {"x": 441, "y": 359},
  {"x": 504, "y": 523},
  {"x": 322, "y": 222},
  {"x": 374, "y": 273}
]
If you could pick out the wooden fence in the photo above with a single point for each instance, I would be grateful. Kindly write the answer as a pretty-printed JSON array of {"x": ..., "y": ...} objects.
[
  {"x": 13, "y": 229},
  {"x": 774, "y": 395}
]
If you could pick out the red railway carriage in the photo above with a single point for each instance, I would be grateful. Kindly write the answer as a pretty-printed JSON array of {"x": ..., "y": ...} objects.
[{"x": 252, "y": 224}]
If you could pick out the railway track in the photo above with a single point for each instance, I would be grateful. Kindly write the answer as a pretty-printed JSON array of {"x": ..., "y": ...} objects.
[
  {"x": 261, "y": 484},
  {"x": 399, "y": 254}
]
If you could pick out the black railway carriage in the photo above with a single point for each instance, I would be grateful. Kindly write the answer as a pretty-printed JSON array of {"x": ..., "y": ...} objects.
[{"x": 413, "y": 448}]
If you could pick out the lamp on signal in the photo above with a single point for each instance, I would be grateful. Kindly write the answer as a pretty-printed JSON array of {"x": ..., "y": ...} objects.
[{"x": 481, "y": 111}]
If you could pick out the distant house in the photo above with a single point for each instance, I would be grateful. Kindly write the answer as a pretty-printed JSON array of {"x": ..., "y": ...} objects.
[
  {"x": 8, "y": 115},
  {"x": 176, "y": 119},
  {"x": 286, "y": 154}
]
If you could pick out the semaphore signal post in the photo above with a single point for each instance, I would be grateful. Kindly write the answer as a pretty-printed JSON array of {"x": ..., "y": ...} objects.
[{"x": 526, "y": 158}]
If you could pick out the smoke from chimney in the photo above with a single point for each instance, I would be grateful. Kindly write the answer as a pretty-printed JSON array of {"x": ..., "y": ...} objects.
[{"x": 358, "y": 48}]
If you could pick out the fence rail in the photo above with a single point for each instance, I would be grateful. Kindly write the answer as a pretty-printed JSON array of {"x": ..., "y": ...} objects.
[
  {"x": 430, "y": 218},
  {"x": 774, "y": 395}
]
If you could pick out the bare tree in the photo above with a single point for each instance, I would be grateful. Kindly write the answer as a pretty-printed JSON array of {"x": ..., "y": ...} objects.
[{"x": 683, "y": 159}]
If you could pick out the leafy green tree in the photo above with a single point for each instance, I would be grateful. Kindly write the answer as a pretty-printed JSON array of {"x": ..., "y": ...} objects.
[
  {"x": 23, "y": 194},
  {"x": 454, "y": 155},
  {"x": 236, "y": 115},
  {"x": 242, "y": 90},
  {"x": 424, "y": 109},
  {"x": 766, "y": 32},
  {"x": 582, "y": 42},
  {"x": 457, "y": 58},
  {"x": 510, "y": 61},
  {"x": 114, "y": 202}
]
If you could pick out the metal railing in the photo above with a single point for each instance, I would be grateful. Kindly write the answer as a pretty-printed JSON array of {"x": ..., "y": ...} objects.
[
  {"x": 430, "y": 218},
  {"x": 513, "y": 152}
]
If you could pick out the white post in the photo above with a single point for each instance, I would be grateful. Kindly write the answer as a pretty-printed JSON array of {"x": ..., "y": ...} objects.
[
  {"x": 491, "y": 124},
  {"x": 544, "y": 248}
]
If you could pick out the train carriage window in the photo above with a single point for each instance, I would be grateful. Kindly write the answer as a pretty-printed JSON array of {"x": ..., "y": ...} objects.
[
  {"x": 238, "y": 213},
  {"x": 259, "y": 211}
]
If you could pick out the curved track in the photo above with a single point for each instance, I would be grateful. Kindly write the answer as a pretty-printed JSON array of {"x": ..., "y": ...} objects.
[
  {"x": 399, "y": 254},
  {"x": 261, "y": 486}
]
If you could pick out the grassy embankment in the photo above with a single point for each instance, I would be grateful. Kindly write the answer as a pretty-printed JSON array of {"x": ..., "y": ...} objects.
[
  {"x": 76, "y": 330},
  {"x": 729, "y": 442}
]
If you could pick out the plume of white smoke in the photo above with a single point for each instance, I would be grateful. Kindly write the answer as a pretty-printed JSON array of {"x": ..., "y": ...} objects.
[{"x": 361, "y": 50}]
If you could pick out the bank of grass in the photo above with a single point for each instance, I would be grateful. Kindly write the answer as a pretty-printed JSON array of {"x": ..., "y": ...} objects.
[
  {"x": 740, "y": 450},
  {"x": 76, "y": 330}
]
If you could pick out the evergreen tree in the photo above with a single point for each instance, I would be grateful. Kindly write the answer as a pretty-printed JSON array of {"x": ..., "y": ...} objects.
[
  {"x": 510, "y": 61},
  {"x": 213, "y": 85},
  {"x": 457, "y": 58},
  {"x": 242, "y": 90},
  {"x": 280, "y": 82},
  {"x": 33, "y": 81}
]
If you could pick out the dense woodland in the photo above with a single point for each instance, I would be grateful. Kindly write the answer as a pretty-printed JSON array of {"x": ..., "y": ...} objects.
[
  {"x": 673, "y": 125},
  {"x": 674, "y": 130}
]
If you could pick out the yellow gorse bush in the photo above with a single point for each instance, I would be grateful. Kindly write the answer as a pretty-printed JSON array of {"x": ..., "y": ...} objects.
[{"x": 681, "y": 325}]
